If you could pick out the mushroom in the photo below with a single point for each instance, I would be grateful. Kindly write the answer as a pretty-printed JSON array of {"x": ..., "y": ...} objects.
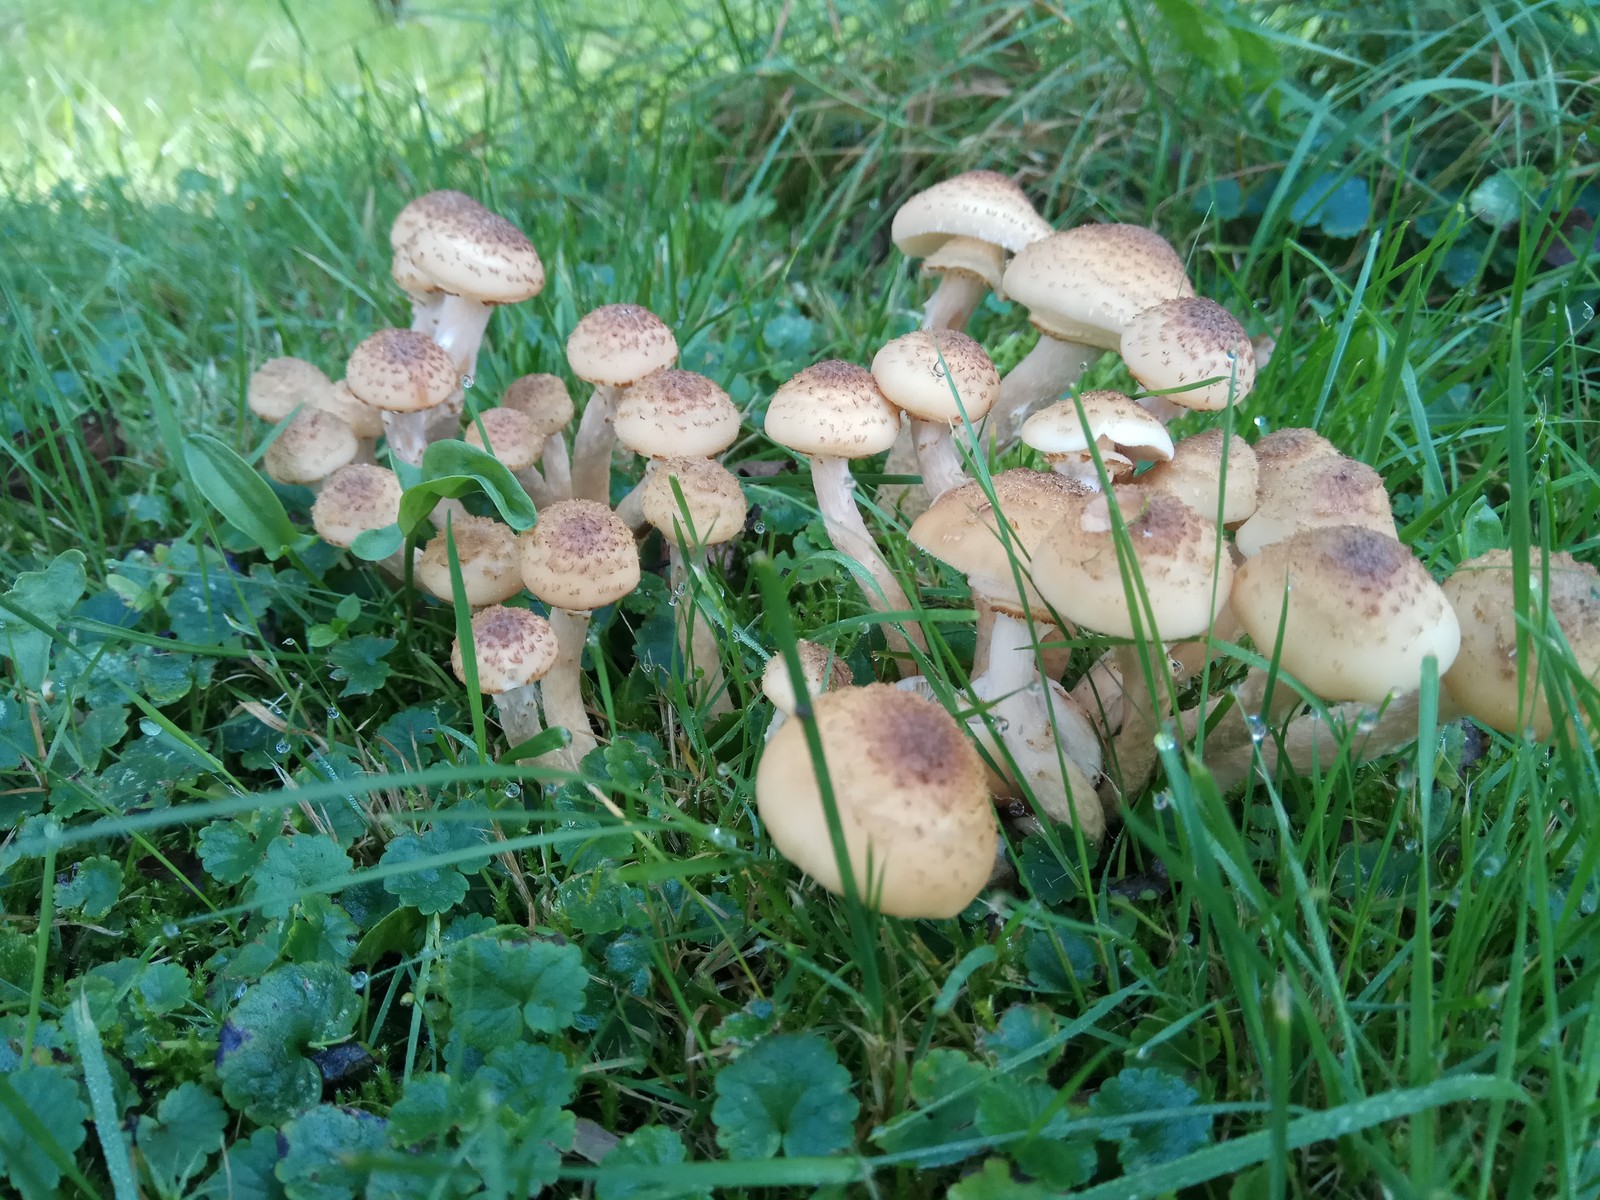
[
  {"x": 1214, "y": 474},
  {"x": 487, "y": 553},
  {"x": 820, "y": 671},
  {"x": 365, "y": 421},
  {"x": 311, "y": 447},
  {"x": 281, "y": 385},
  {"x": 672, "y": 414},
  {"x": 1121, "y": 432},
  {"x": 715, "y": 508},
  {"x": 612, "y": 347},
  {"x": 1192, "y": 351},
  {"x": 545, "y": 401},
  {"x": 1284, "y": 449},
  {"x": 516, "y": 442},
  {"x": 1324, "y": 490},
  {"x": 354, "y": 500},
  {"x": 513, "y": 649},
  {"x": 426, "y": 297},
  {"x": 404, "y": 375},
  {"x": 579, "y": 557},
  {"x": 833, "y": 412},
  {"x": 919, "y": 830},
  {"x": 941, "y": 378}
]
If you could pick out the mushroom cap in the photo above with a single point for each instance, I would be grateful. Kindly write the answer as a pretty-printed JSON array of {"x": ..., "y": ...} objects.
[
  {"x": 1178, "y": 343},
  {"x": 364, "y": 420},
  {"x": 512, "y": 647},
  {"x": 962, "y": 528},
  {"x": 410, "y": 278},
  {"x": 1360, "y": 612},
  {"x": 513, "y": 438},
  {"x": 822, "y": 670},
  {"x": 468, "y": 251},
  {"x": 1116, "y": 422},
  {"x": 1175, "y": 549},
  {"x": 353, "y": 500},
  {"x": 487, "y": 551},
  {"x": 428, "y": 207},
  {"x": 1086, "y": 284},
  {"x": 310, "y": 447},
  {"x": 543, "y": 399},
  {"x": 401, "y": 371},
  {"x": 835, "y": 409},
  {"x": 971, "y": 258},
  {"x": 579, "y": 556},
  {"x": 919, "y": 828},
  {"x": 1327, "y": 489},
  {"x": 937, "y": 375},
  {"x": 1283, "y": 449},
  {"x": 674, "y": 414},
  {"x": 984, "y": 205},
  {"x": 1483, "y": 679},
  {"x": 711, "y": 494},
  {"x": 619, "y": 344},
  {"x": 281, "y": 385},
  {"x": 1195, "y": 475}
]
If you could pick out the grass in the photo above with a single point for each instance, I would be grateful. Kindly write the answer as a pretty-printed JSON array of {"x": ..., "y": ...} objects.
[{"x": 1372, "y": 981}]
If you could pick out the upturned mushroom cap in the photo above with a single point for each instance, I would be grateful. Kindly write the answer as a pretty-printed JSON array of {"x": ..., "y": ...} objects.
[
  {"x": 543, "y": 399},
  {"x": 513, "y": 438},
  {"x": 281, "y": 385},
  {"x": 1483, "y": 680},
  {"x": 1360, "y": 612},
  {"x": 962, "y": 528},
  {"x": 1178, "y": 343},
  {"x": 711, "y": 493},
  {"x": 1086, "y": 284},
  {"x": 919, "y": 828},
  {"x": 835, "y": 409},
  {"x": 937, "y": 375},
  {"x": 619, "y": 344},
  {"x": 512, "y": 647},
  {"x": 1283, "y": 449},
  {"x": 969, "y": 257},
  {"x": 364, "y": 420},
  {"x": 823, "y": 671},
  {"x": 1195, "y": 475},
  {"x": 400, "y": 371},
  {"x": 983, "y": 205},
  {"x": 580, "y": 556},
  {"x": 487, "y": 551},
  {"x": 468, "y": 251},
  {"x": 353, "y": 500},
  {"x": 310, "y": 447},
  {"x": 1174, "y": 548},
  {"x": 1124, "y": 432},
  {"x": 1321, "y": 490},
  {"x": 676, "y": 414}
]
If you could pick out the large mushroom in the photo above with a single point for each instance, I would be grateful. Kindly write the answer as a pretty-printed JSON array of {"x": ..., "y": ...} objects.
[
  {"x": 1193, "y": 352},
  {"x": 612, "y": 347}
]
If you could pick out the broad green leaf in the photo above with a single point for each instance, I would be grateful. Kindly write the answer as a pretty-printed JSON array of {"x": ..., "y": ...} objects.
[
  {"x": 1500, "y": 200},
  {"x": 946, "y": 1083},
  {"x": 654, "y": 1146},
  {"x": 427, "y": 1110},
  {"x": 185, "y": 1132},
  {"x": 522, "y": 1077},
  {"x": 359, "y": 663},
  {"x": 247, "y": 1171},
  {"x": 375, "y": 545},
  {"x": 1137, "y": 1091},
  {"x": 428, "y": 889},
  {"x": 323, "y": 1153},
  {"x": 1021, "y": 1028},
  {"x": 47, "y": 596},
  {"x": 52, "y": 1099},
  {"x": 994, "y": 1182},
  {"x": 1034, "y": 1122},
  {"x": 787, "y": 1094},
  {"x": 236, "y": 490},
  {"x": 453, "y": 469},
  {"x": 294, "y": 867},
  {"x": 90, "y": 887},
  {"x": 228, "y": 851},
  {"x": 1481, "y": 530},
  {"x": 496, "y": 987}
]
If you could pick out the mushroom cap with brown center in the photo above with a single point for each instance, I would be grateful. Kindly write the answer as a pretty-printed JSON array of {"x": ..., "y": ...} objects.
[
  {"x": 822, "y": 670},
  {"x": 1086, "y": 284},
  {"x": 1283, "y": 449},
  {"x": 1124, "y": 432},
  {"x": 833, "y": 409},
  {"x": 310, "y": 447},
  {"x": 619, "y": 344},
  {"x": 1322, "y": 490},
  {"x": 1173, "y": 346},
  {"x": 1174, "y": 549},
  {"x": 1483, "y": 681},
  {"x": 1359, "y": 612},
  {"x": 281, "y": 385},
  {"x": 937, "y": 375},
  {"x": 1197, "y": 475},
  {"x": 353, "y": 500},
  {"x": 512, "y": 647},
  {"x": 487, "y": 552},
  {"x": 579, "y": 556},
  {"x": 471, "y": 252},
  {"x": 673, "y": 414},
  {"x": 711, "y": 493},
  {"x": 513, "y": 438},
  {"x": 919, "y": 827},
  {"x": 543, "y": 399},
  {"x": 401, "y": 371},
  {"x": 983, "y": 205},
  {"x": 969, "y": 258}
]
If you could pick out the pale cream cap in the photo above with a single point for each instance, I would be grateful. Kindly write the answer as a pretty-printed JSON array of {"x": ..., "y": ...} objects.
[
  {"x": 1178, "y": 343},
  {"x": 619, "y": 344},
  {"x": 543, "y": 399},
  {"x": 1195, "y": 476},
  {"x": 925, "y": 372},
  {"x": 833, "y": 409},
  {"x": 1325, "y": 489},
  {"x": 401, "y": 371},
  {"x": 512, "y": 647},
  {"x": 309, "y": 448},
  {"x": 579, "y": 556},
  {"x": 715, "y": 501},
  {"x": 983, "y": 205},
  {"x": 364, "y": 420},
  {"x": 513, "y": 438},
  {"x": 353, "y": 500},
  {"x": 471, "y": 252},
  {"x": 1123, "y": 431},
  {"x": 281, "y": 385},
  {"x": 823, "y": 671},
  {"x": 487, "y": 552},
  {"x": 673, "y": 414},
  {"x": 970, "y": 258}
]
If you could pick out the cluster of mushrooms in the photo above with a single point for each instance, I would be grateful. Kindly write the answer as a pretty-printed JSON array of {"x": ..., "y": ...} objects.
[{"x": 1173, "y": 551}]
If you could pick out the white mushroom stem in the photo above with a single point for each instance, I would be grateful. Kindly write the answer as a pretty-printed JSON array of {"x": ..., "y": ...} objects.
[
  {"x": 937, "y": 457},
  {"x": 407, "y": 433},
  {"x": 1050, "y": 368},
  {"x": 909, "y": 499},
  {"x": 444, "y": 422},
  {"x": 1141, "y": 713},
  {"x": 631, "y": 507},
  {"x": 557, "y": 467},
  {"x": 591, "y": 448},
  {"x": 445, "y": 511},
  {"x": 536, "y": 485},
  {"x": 563, "y": 686},
  {"x": 1012, "y": 662},
  {"x": 1162, "y": 409},
  {"x": 1099, "y": 693},
  {"x": 835, "y": 488},
  {"x": 697, "y": 644},
  {"x": 425, "y": 312},
  {"x": 519, "y": 713},
  {"x": 462, "y": 322},
  {"x": 953, "y": 301}
]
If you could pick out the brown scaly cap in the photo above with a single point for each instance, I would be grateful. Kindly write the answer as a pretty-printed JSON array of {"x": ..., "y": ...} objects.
[
  {"x": 487, "y": 552},
  {"x": 676, "y": 413},
  {"x": 1322, "y": 490},
  {"x": 311, "y": 447},
  {"x": 512, "y": 646},
  {"x": 543, "y": 399},
  {"x": 711, "y": 493},
  {"x": 1178, "y": 343},
  {"x": 983, "y": 205},
  {"x": 911, "y": 794},
  {"x": 400, "y": 371},
  {"x": 1195, "y": 476},
  {"x": 469, "y": 251},
  {"x": 427, "y": 208},
  {"x": 619, "y": 344},
  {"x": 353, "y": 500},
  {"x": 580, "y": 556},
  {"x": 925, "y": 371},
  {"x": 1284, "y": 448},
  {"x": 823, "y": 671},
  {"x": 513, "y": 438},
  {"x": 281, "y": 385},
  {"x": 835, "y": 409}
]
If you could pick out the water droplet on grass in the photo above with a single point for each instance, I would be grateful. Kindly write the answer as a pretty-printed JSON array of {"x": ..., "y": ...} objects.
[
  {"x": 169, "y": 929},
  {"x": 359, "y": 980},
  {"x": 281, "y": 748}
]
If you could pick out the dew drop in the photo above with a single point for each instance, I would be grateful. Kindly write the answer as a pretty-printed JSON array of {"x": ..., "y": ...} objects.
[
  {"x": 1001, "y": 724},
  {"x": 466, "y": 382},
  {"x": 290, "y": 642},
  {"x": 238, "y": 992},
  {"x": 760, "y": 527},
  {"x": 358, "y": 981},
  {"x": 1491, "y": 866},
  {"x": 333, "y": 713},
  {"x": 724, "y": 770},
  {"x": 513, "y": 790},
  {"x": 1162, "y": 801},
  {"x": 1367, "y": 721},
  {"x": 1165, "y": 743},
  {"x": 282, "y": 747},
  {"x": 1263, "y": 425},
  {"x": 1257, "y": 727},
  {"x": 1548, "y": 372},
  {"x": 169, "y": 929},
  {"x": 722, "y": 838},
  {"x": 1588, "y": 312}
]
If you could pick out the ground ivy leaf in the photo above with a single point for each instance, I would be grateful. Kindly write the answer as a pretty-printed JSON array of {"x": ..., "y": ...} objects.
[
  {"x": 205, "y": 610},
  {"x": 261, "y": 1057},
  {"x": 16, "y": 734},
  {"x": 994, "y": 1182},
  {"x": 51, "y": 1096},
  {"x": 937, "y": 1075},
  {"x": 320, "y": 931},
  {"x": 1138, "y": 1090},
  {"x": 228, "y": 851},
  {"x": 1023, "y": 1027},
  {"x": 47, "y": 596},
  {"x": 1007, "y": 1107},
  {"x": 744, "y": 1027},
  {"x": 90, "y": 887},
  {"x": 147, "y": 773},
  {"x": 359, "y": 663},
  {"x": 496, "y": 987},
  {"x": 247, "y": 1170},
  {"x": 426, "y": 1111},
  {"x": 653, "y": 1146},
  {"x": 432, "y": 889},
  {"x": 295, "y": 866},
  {"x": 323, "y": 1152},
  {"x": 185, "y": 1131},
  {"x": 787, "y": 1094},
  {"x": 522, "y": 1077},
  {"x": 406, "y": 739},
  {"x": 163, "y": 988},
  {"x": 167, "y": 678}
]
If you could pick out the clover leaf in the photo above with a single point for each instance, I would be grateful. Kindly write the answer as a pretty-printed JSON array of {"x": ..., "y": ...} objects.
[
  {"x": 1136, "y": 1091},
  {"x": 262, "y": 1059},
  {"x": 496, "y": 987},
  {"x": 787, "y": 1094}
]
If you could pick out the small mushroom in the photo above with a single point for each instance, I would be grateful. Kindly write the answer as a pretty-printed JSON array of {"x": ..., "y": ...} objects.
[
  {"x": 672, "y": 414},
  {"x": 1213, "y": 474},
  {"x": 281, "y": 385},
  {"x": 545, "y": 401},
  {"x": 404, "y": 375},
  {"x": 486, "y": 552},
  {"x": 516, "y": 442},
  {"x": 1122, "y": 433},
  {"x": 353, "y": 500},
  {"x": 1323, "y": 490},
  {"x": 942, "y": 379},
  {"x": 513, "y": 649},
  {"x": 311, "y": 447},
  {"x": 821, "y": 671},
  {"x": 1193, "y": 352},
  {"x": 612, "y": 347}
]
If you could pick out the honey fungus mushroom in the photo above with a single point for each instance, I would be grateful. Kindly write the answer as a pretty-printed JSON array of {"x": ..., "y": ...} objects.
[
  {"x": 613, "y": 347},
  {"x": 513, "y": 649}
]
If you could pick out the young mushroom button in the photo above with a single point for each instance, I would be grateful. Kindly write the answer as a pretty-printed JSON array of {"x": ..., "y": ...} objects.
[
  {"x": 514, "y": 439},
  {"x": 513, "y": 649},
  {"x": 486, "y": 552},
  {"x": 405, "y": 375},
  {"x": 310, "y": 448},
  {"x": 820, "y": 669},
  {"x": 281, "y": 385},
  {"x": 354, "y": 500},
  {"x": 545, "y": 401},
  {"x": 612, "y": 347}
]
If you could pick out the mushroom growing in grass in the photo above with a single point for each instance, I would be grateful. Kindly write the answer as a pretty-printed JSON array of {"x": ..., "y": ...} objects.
[
  {"x": 365, "y": 421},
  {"x": 355, "y": 500},
  {"x": 281, "y": 385},
  {"x": 516, "y": 442},
  {"x": 711, "y": 511},
  {"x": 1323, "y": 490},
  {"x": 404, "y": 375},
  {"x": 311, "y": 447},
  {"x": 821, "y": 671},
  {"x": 1122, "y": 432},
  {"x": 579, "y": 557},
  {"x": 919, "y": 830},
  {"x": 612, "y": 347},
  {"x": 513, "y": 649},
  {"x": 1214, "y": 474},
  {"x": 425, "y": 295},
  {"x": 487, "y": 553},
  {"x": 672, "y": 414},
  {"x": 1177, "y": 346},
  {"x": 833, "y": 412},
  {"x": 545, "y": 401},
  {"x": 944, "y": 380}
]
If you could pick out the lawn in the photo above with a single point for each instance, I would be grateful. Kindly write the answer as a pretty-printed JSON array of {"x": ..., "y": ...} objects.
[{"x": 278, "y": 915}]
